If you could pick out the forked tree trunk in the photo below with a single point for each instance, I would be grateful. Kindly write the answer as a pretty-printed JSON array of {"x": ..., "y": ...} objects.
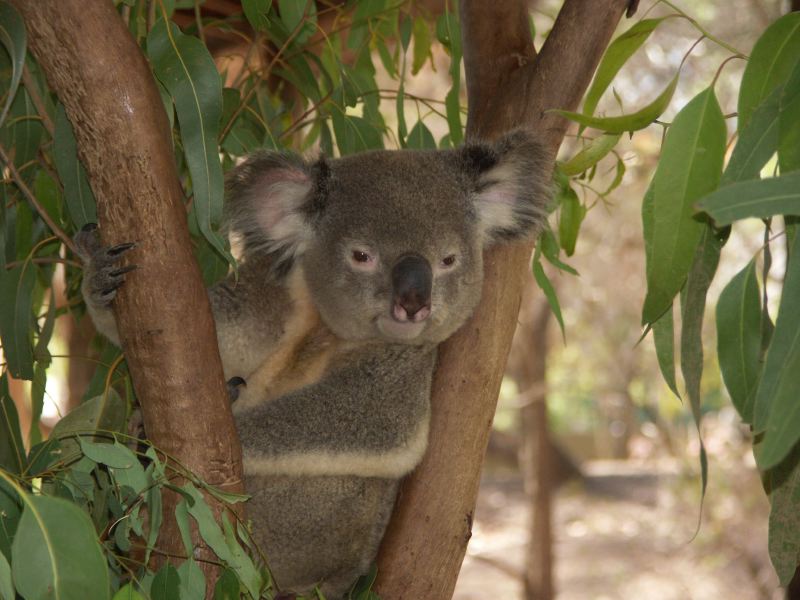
[
  {"x": 100, "y": 75},
  {"x": 508, "y": 86}
]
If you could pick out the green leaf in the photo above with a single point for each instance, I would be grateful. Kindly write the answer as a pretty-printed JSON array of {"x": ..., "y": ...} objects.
[
  {"x": 549, "y": 291},
  {"x": 113, "y": 455},
  {"x": 422, "y": 44},
  {"x": 127, "y": 592},
  {"x": 214, "y": 537},
  {"x": 14, "y": 38},
  {"x": 632, "y": 122},
  {"x": 185, "y": 68},
  {"x": 739, "y": 338},
  {"x": 6, "y": 586},
  {"x": 227, "y": 587},
  {"x": 10, "y": 513},
  {"x": 294, "y": 13},
  {"x": 774, "y": 56},
  {"x": 664, "y": 341},
  {"x": 784, "y": 518},
  {"x": 777, "y": 411},
  {"x": 355, "y": 134},
  {"x": 761, "y": 198},
  {"x": 590, "y": 154},
  {"x": 103, "y": 413},
  {"x": 166, "y": 584},
  {"x": 693, "y": 305},
  {"x": 616, "y": 55},
  {"x": 55, "y": 553},
  {"x": 757, "y": 142},
  {"x": 256, "y": 12},
  {"x": 448, "y": 32},
  {"x": 421, "y": 138},
  {"x": 550, "y": 249},
  {"x": 78, "y": 195},
  {"x": 569, "y": 223},
  {"x": 12, "y": 450},
  {"x": 193, "y": 582},
  {"x": 16, "y": 318},
  {"x": 38, "y": 385},
  {"x": 23, "y": 130},
  {"x": 690, "y": 167},
  {"x": 789, "y": 124}
]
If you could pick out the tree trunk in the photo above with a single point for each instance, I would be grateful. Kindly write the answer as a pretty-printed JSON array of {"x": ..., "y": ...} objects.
[
  {"x": 167, "y": 329},
  {"x": 508, "y": 86}
]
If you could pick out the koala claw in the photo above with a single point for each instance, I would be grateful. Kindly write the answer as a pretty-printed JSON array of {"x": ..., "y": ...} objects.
[
  {"x": 102, "y": 273},
  {"x": 234, "y": 383}
]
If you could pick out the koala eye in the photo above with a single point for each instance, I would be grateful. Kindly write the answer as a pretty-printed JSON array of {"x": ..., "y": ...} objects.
[
  {"x": 361, "y": 257},
  {"x": 449, "y": 260}
]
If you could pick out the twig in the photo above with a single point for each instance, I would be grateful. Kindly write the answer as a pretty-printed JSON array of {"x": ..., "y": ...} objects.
[
  {"x": 45, "y": 261},
  {"x": 26, "y": 191}
]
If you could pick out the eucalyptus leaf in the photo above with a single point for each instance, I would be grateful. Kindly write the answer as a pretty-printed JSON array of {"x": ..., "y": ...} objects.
[
  {"x": 103, "y": 413},
  {"x": 664, "y": 341},
  {"x": 549, "y": 292},
  {"x": 590, "y": 155},
  {"x": 78, "y": 196},
  {"x": 774, "y": 56},
  {"x": 422, "y": 44},
  {"x": 569, "y": 223},
  {"x": 6, "y": 585},
  {"x": 127, "y": 592},
  {"x": 777, "y": 412},
  {"x": 16, "y": 318},
  {"x": 193, "y": 582},
  {"x": 227, "y": 586},
  {"x": 784, "y": 518},
  {"x": 757, "y": 142},
  {"x": 421, "y": 138},
  {"x": 12, "y": 450},
  {"x": 184, "y": 66},
  {"x": 739, "y": 338},
  {"x": 166, "y": 584},
  {"x": 256, "y": 12},
  {"x": 690, "y": 167},
  {"x": 632, "y": 122},
  {"x": 55, "y": 553},
  {"x": 761, "y": 198},
  {"x": 616, "y": 55},
  {"x": 789, "y": 123},
  {"x": 14, "y": 38},
  {"x": 113, "y": 455}
]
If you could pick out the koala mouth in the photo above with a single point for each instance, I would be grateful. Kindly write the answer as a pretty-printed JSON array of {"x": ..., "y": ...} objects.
[{"x": 399, "y": 330}]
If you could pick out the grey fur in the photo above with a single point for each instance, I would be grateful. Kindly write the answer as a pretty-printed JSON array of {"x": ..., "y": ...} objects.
[{"x": 329, "y": 434}]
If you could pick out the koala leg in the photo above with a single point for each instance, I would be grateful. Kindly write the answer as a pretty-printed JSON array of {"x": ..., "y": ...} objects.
[{"x": 102, "y": 277}]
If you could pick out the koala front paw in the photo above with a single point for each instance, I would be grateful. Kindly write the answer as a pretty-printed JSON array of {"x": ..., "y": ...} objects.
[{"x": 102, "y": 274}]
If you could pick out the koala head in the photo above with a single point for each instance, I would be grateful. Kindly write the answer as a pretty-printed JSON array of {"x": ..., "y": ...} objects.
[{"x": 391, "y": 242}]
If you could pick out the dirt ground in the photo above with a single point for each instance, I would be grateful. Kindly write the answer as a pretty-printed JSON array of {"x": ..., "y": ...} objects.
[{"x": 624, "y": 533}]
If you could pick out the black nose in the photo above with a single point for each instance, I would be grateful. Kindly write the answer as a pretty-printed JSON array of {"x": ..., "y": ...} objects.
[{"x": 412, "y": 279}]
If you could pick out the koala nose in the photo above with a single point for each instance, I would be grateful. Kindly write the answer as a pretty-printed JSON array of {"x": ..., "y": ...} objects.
[{"x": 412, "y": 279}]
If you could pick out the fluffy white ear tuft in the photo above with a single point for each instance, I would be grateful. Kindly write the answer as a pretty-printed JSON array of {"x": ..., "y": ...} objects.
[
  {"x": 512, "y": 185},
  {"x": 268, "y": 199}
]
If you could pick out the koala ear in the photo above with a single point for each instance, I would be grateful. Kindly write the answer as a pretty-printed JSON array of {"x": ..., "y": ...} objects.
[
  {"x": 270, "y": 198},
  {"x": 511, "y": 185}
]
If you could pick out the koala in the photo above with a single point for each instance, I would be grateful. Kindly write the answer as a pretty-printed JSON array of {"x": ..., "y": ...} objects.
[{"x": 352, "y": 271}]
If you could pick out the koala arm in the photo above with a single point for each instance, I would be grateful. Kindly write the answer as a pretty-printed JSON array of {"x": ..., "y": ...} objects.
[{"x": 368, "y": 418}]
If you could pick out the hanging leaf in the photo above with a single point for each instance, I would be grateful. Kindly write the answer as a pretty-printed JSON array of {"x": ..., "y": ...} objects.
[
  {"x": 12, "y": 450},
  {"x": 448, "y": 32},
  {"x": 570, "y": 219},
  {"x": 256, "y": 12},
  {"x": 6, "y": 585},
  {"x": 789, "y": 124},
  {"x": 422, "y": 45},
  {"x": 355, "y": 134},
  {"x": 78, "y": 195},
  {"x": 549, "y": 291},
  {"x": 185, "y": 68},
  {"x": 421, "y": 138},
  {"x": 55, "y": 553},
  {"x": 227, "y": 586},
  {"x": 616, "y": 55},
  {"x": 783, "y": 484},
  {"x": 103, "y": 413},
  {"x": 299, "y": 16},
  {"x": 193, "y": 582},
  {"x": 16, "y": 318},
  {"x": 757, "y": 142},
  {"x": 775, "y": 412},
  {"x": 14, "y": 38},
  {"x": 127, "y": 592},
  {"x": 774, "y": 56},
  {"x": 166, "y": 584},
  {"x": 739, "y": 338},
  {"x": 762, "y": 198},
  {"x": 632, "y": 122},
  {"x": 690, "y": 167},
  {"x": 211, "y": 533},
  {"x": 693, "y": 305},
  {"x": 590, "y": 155}
]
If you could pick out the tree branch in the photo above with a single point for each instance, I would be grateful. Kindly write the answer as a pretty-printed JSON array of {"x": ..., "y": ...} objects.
[
  {"x": 166, "y": 327},
  {"x": 427, "y": 537}
]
